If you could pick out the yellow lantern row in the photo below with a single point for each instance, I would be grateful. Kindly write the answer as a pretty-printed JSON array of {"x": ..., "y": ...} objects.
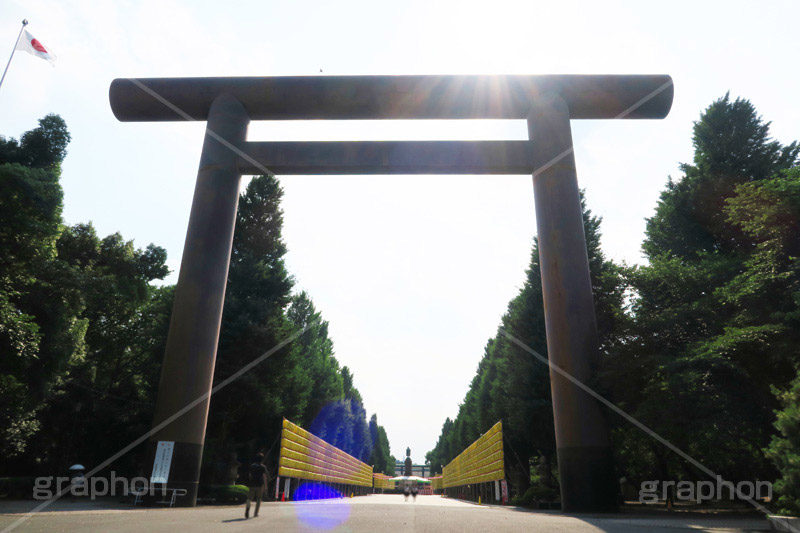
[
  {"x": 306, "y": 456},
  {"x": 382, "y": 481},
  {"x": 482, "y": 461}
]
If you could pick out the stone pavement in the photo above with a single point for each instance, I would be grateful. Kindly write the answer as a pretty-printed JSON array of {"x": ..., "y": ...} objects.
[{"x": 364, "y": 514}]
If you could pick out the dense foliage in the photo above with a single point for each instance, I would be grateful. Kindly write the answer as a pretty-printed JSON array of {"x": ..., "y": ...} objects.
[
  {"x": 695, "y": 344},
  {"x": 714, "y": 321},
  {"x": 701, "y": 343},
  {"x": 513, "y": 386},
  {"x": 83, "y": 328},
  {"x": 784, "y": 450}
]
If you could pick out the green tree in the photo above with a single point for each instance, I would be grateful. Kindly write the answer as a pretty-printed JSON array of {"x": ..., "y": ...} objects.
[
  {"x": 441, "y": 454},
  {"x": 326, "y": 384},
  {"x": 513, "y": 386},
  {"x": 42, "y": 147},
  {"x": 381, "y": 457},
  {"x": 361, "y": 447},
  {"x": 19, "y": 344},
  {"x": 246, "y": 416},
  {"x": 784, "y": 450},
  {"x": 302, "y": 381},
  {"x": 40, "y": 332},
  {"x": 732, "y": 146},
  {"x": 109, "y": 389},
  {"x": 713, "y": 314},
  {"x": 81, "y": 326},
  {"x": 83, "y": 330}
]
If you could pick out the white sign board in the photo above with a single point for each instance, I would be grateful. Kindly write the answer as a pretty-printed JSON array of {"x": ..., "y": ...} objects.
[{"x": 162, "y": 462}]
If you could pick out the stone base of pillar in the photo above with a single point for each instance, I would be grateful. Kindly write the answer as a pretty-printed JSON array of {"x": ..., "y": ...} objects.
[{"x": 587, "y": 479}]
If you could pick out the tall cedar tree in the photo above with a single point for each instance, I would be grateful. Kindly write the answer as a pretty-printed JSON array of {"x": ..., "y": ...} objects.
[
  {"x": 513, "y": 386},
  {"x": 246, "y": 415},
  {"x": 713, "y": 328},
  {"x": 302, "y": 381}
]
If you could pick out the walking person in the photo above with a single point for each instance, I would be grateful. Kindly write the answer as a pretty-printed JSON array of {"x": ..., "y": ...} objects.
[{"x": 257, "y": 483}]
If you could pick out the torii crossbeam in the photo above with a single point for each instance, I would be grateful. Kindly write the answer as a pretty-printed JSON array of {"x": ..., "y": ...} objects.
[{"x": 546, "y": 102}]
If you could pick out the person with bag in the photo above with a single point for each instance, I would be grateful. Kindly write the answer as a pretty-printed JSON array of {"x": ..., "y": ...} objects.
[{"x": 257, "y": 483}]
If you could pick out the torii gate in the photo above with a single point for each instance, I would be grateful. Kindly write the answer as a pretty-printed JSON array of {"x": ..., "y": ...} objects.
[{"x": 547, "y": 102}]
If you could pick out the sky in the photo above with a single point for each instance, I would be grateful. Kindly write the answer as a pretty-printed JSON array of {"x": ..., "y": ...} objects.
[{"x": 412, "y": 272}]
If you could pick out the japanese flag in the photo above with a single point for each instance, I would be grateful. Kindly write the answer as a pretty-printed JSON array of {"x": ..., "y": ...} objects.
[{"x": 30, "y": 44}]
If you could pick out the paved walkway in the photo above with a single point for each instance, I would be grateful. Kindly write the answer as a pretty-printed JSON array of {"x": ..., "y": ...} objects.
[{"x": 364, "y": 514}]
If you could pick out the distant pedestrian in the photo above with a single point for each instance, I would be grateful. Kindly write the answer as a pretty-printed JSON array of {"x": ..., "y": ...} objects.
[
  {"x": 414, "y": 492},
  {"x": 257, "y": 483},
  {"x": 406, "y": 492}
]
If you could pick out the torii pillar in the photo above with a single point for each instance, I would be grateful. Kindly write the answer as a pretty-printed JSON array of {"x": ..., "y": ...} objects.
[
  {"x": 547, "y": 102},
  {"x": 585, "y": 459}
]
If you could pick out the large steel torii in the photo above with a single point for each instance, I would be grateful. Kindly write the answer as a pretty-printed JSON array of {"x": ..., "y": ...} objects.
[{"x": 546, "y": 102}]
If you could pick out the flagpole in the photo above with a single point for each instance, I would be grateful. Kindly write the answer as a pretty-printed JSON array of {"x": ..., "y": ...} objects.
[{"x": 24, "y": 23}]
